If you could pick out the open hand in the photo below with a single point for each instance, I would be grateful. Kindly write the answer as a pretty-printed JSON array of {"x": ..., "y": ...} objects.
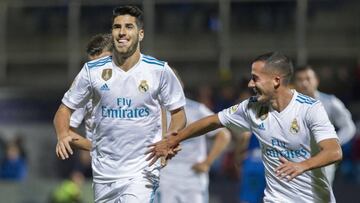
[
  {"x": 63, "y": 148},
  {"x": 165, "y": 148},
  {"x": 288, "y": 169}
]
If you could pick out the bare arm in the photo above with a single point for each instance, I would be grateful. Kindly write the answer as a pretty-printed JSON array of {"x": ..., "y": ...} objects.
[
  {"x": 61, "y": 124},
  {"x": 62, "y": 121},
  {"x": 162, "y": 148},
  {"x": 197, "y": 128},
  {"x": 242, "y": 143},
  {"x": 178, "y": 120},
  {"x": 330, "y": 152},
  {"x": 79, "y": 141},
  {"x": 222, "y": 140},
  {"x": 66, "y": 136}
]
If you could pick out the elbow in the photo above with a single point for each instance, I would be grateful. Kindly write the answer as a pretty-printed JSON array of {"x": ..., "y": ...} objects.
[{"x": 338, "y": 155}]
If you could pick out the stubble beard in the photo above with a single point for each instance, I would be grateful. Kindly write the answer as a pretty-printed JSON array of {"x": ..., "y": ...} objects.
[{"x": 130, "y": 51}]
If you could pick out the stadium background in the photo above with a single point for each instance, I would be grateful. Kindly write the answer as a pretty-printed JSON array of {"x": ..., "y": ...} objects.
[{"x": 209, "y": 42}]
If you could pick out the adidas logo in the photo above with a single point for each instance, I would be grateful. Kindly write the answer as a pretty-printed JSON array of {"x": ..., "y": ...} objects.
[
  {"x": 104, "y": 87},
  {"x": 261, "y": 126}
]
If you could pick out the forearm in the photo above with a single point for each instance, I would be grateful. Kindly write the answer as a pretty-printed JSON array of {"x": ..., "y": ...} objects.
[
  {"x": 79, "y": 141},
  {"x": 325, "y": 157},
  {"x": 222, "y": 140},
  {"x": 178, "y": 120},
  {"x": 61, "y": 121},
  {"x": 198, "y": 128}
]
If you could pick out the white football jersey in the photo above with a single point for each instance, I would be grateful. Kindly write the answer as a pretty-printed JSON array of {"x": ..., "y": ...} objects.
[
  {"x": 193, "y": 150},
  {"x": 126, "y": 111},
  {"x": 83, "y": 114},
  {"x": 291, "y": 133},
  {"x": 339, "y": 116}
]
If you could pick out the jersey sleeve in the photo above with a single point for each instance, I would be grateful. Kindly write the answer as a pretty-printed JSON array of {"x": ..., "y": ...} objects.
[
  {"x": 80, "y": 91},
  {"x": 319, "y": 123},
  {"x": 341, "y": 118},
  {"x": 77, "y": 117},
  {"x": 171, "y": 92},
  {"x": 236, "y": 117}
]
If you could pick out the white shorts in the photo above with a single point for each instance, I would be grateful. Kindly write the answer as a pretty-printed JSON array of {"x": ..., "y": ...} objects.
[
  {"x": 132, "y": 190},
  {"x": 173, "y": 194}
]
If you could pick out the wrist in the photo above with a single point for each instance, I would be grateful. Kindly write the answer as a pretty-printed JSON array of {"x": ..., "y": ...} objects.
[
  {"x": 306, "y": 165},
  {"x": 173, "y": 141},
  {"x": 62, "y": 135}
]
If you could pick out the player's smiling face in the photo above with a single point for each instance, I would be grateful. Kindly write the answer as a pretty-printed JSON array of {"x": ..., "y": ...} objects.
[
  {"x": 126, "y": 35},
  {"x": 261, "y": 82}
]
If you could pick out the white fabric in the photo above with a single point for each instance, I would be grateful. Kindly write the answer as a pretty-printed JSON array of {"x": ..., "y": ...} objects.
[
  {"x": 340, "y": 117},
  {"x": 126, "y": 112},
  {"x": 190, "y": 186},
  {"x": 83, "y": 114},
  {"x": 290, "y": 133},
  {"x": 128, "y": 190},
  {"x": 178, "y": 169},
  {"x": 179, "y": 193}
]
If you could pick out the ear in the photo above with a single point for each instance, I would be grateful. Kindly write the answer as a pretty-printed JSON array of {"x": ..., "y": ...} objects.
[
  {"x": 141, "y": 35},
  {"x": 277, "y": 81}
]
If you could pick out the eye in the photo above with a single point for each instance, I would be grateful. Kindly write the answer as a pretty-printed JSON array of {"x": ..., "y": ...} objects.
[
  {"x": 129, "y": 26},
  {"x": 254, "y": 78},
  {"x": 116, "y": 26}
]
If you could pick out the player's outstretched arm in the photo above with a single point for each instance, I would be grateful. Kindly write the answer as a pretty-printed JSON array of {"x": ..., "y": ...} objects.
[
  {"x": 330, "y": 152},
  {"x": 166, "y": 146},
  {"x": 61, "y": 124},
  {"x": 222, "y": 140}
]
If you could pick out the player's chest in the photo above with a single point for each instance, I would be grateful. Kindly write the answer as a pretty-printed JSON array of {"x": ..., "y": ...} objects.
[
  {"x": 110, "y": 84},
  {"x": 286, "y": 132}
]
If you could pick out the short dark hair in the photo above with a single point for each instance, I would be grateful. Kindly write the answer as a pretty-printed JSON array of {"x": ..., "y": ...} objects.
[
  {"x": 98, "y": 44},
  {"x": 303, "y": 68},
  {"x": 132, "y": 11},
  {"x": 279, "y": 62}
]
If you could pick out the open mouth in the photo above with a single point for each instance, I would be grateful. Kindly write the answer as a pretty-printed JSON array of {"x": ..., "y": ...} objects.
[{"x": 122, "y": 42}]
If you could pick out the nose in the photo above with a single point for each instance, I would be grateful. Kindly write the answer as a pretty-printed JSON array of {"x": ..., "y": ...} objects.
[
  {"x": 251, "y": 84},
  {"x": 122, "y": 32}
]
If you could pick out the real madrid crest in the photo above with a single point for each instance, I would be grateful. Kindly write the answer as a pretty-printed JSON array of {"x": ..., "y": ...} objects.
[
  {"x": 106, "y": 74},
  {"x": 143, "y": 87},
  {"x": 234, "y": 108},
  {"x": 294, "y": 128},
  {"x": 263, "y": 112}
]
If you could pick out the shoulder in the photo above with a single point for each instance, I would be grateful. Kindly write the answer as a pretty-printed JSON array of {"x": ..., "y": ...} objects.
[
  {"x": 327, "y": 97},
  {"x": 99, "y": 62},
  {"x": 305, "y": 100},
  {"x": 152, "y": 62}
]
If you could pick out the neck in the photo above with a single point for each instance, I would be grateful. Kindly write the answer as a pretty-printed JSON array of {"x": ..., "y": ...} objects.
[
  {"x": 312, "y": 94},
  {"x": 126, "y": 62},
  {"x": 282, "y": 99}
]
